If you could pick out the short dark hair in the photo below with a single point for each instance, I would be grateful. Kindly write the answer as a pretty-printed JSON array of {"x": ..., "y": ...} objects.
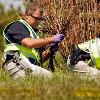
[{"x": 32, "y": 7}]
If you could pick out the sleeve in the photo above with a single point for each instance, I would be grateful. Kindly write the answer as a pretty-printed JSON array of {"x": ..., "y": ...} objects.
[{"x": 18, "y": 32}]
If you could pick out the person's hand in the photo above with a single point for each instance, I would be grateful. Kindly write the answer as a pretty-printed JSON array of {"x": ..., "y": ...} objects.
[
  {"x": 58, "y": 38},
  {"x": 54, "y": 47}
]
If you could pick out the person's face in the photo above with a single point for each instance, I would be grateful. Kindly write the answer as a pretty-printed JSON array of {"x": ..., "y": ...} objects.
[{"x": 35, "y": 18}]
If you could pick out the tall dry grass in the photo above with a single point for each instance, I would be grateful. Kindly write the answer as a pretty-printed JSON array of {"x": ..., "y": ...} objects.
[{"x": 78, "y": 20}]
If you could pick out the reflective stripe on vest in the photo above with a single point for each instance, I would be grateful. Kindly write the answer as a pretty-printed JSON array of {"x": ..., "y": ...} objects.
[
  {"x": 94, "y": 49},
  {"x": 33, "y": 53}
]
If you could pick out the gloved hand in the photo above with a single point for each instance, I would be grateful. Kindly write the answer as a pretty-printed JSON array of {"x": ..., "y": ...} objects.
[
  {"x": 54, "y": 47},
  {"x": 58, "y": 38}
]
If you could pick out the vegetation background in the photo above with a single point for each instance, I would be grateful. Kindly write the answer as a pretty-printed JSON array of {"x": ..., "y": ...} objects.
[{"x": 79, "y": 21}]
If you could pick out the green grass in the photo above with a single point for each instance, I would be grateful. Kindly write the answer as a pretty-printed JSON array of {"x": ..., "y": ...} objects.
[{"x": 62, "y": 86}]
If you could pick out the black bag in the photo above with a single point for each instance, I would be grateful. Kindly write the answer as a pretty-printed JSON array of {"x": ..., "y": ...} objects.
[{"x": 78, "y": 55}]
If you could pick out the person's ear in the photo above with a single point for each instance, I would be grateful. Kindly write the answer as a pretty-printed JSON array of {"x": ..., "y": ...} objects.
[{"x": 27, "y": 16}]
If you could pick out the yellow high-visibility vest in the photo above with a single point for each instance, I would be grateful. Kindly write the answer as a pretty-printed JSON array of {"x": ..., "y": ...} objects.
[
  {"x": 33, "y": 53},
  {"x": 94, "y": 49}
]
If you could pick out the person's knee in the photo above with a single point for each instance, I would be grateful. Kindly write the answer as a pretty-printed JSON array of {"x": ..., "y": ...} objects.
[
  {"x": 14, "y": 70},
  {"x": 41, "y": 71},
  {"x": 19, "y": 74}
]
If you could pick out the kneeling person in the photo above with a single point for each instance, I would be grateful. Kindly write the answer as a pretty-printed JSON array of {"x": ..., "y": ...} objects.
[{"x": 22, "y": 44}]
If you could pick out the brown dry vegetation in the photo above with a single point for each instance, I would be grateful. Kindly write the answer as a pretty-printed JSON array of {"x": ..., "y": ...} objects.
[{"x": 78, "y": 20}]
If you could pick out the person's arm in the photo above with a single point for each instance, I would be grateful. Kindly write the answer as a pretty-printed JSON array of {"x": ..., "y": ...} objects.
[
  {"x": 36, "y": 43},
  {"x": 19, "y": 34}
]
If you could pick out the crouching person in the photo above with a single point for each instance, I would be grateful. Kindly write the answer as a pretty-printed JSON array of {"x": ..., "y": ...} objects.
[
  {"x": 23, "y": 45},
  {"x": 85, "y": 58}
]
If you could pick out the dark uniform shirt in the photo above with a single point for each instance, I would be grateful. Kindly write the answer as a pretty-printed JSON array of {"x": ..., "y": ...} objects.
[{"x": 17, "y": 32}]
